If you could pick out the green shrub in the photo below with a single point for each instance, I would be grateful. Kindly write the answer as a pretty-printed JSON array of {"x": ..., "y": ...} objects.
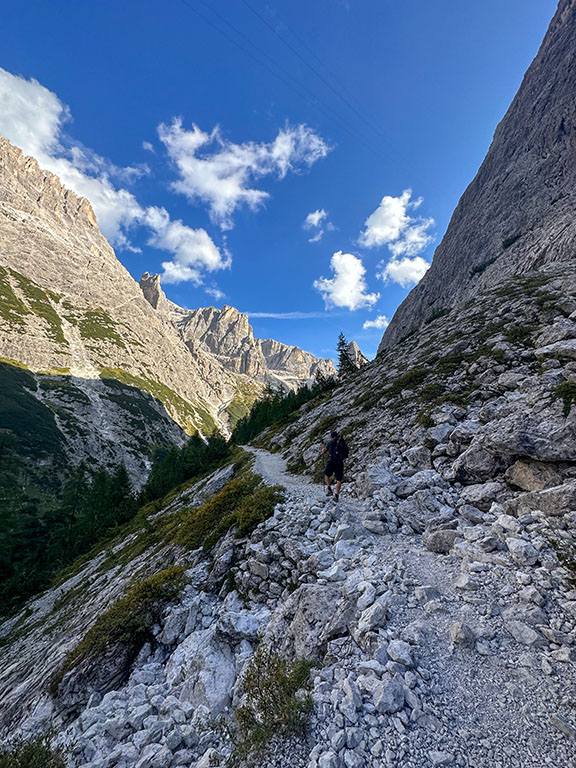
[
  {"x": 520, "y": 334},
  {"x": 425, "y": 419},
  {"x": 128, "y": 621},
  {"x": 567, "y": 393},
  {"x": 430, "y": 392},
  {"x": 33, "y": 754},
  {"x": 272, "y": 709},
  {"x": 409, "y": 380},
  {"x": 244, "y": 502}
]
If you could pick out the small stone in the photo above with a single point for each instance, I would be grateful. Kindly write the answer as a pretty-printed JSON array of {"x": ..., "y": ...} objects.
[
  {"x": 389, "y": 697},
  {"x": 522, "y": 551},
  {"x": 440, "y": 758},
  {"x": 462, "y": 635},
  {"x": 400, "y": 652}
]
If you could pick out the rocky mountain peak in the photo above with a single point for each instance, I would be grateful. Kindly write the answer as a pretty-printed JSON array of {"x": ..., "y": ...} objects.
[
  {"x": 227, "y": 334},
  {"x": 356, "y": 355},
  {"x": 518, "y": 213}
]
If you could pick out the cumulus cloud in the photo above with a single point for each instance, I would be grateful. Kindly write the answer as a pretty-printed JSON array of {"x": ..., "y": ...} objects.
[
  {"x": 405, "y": 272},
  {"x": 33, "y": 118},
  {"x": 381, "y": 322},
  {"x": 317, "y": 222},
  {"x": 220, "y": 173},
  {"x": 391, "y": 224},
  {"x": 348, "y": 286}
]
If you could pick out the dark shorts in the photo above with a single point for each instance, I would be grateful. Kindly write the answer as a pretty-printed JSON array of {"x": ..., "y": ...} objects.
[{"x": 335, "y": 467}]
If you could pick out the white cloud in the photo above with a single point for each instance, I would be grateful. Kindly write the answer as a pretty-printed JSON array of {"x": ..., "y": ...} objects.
[
  {"x": 315, "y": 218},
  {"x": 391, "y": 224},
  {"x": 405, "y": 272},
  {"x": 218, "y": 172},
  {"x": 288, "y": 315},
  {"x": 215, "y": 292},
  {"x": 348, "y": 286},
  {"x": 32, "y": 118},
  {"x": 317, "y": 221},
  {"x": 381, "y": 321}
]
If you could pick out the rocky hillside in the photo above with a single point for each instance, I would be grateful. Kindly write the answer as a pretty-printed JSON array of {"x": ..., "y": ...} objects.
[
  {"x": 518, "y": 213},
  {"x": 426, "y": 619},
  {"x": 228, "y": 336}
]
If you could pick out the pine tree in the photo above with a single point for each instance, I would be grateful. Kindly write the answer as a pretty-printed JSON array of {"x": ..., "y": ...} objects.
[{"x": 345, "y": 365}]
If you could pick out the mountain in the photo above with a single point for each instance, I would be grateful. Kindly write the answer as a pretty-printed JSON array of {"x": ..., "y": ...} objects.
[
  {"x": 227, "y": 335},
  {"x": 428, "y": 618},
  {"x": 517, "y": 214},
  {"x": 114, "y": 377}
]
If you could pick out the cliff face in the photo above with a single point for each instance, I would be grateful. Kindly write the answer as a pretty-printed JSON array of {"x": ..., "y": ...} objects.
[
  {"x": 518, "y": 213},
  {"x": 227, "y": 335},
  {"x": 70, "y": 307}
]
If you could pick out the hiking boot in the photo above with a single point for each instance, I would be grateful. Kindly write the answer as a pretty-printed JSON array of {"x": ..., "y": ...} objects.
[
  {"x": 336, "y": 496},
  {"x": 328, "y": 491}
]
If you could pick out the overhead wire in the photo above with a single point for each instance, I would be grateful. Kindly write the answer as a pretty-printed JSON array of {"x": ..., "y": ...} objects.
[
  {"x": 381, "y": 135},
  {"x": 262, "y": 59}
]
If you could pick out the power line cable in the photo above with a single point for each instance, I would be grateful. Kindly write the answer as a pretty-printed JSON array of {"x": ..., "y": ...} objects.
[{"x": 261, "y": 59}]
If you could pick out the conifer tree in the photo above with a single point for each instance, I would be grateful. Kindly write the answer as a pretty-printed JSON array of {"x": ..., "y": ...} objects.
[{"x": 345, "y": 365}]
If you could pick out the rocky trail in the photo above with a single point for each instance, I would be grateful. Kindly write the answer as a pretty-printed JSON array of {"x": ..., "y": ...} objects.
[{"x": 444, "y": 641}]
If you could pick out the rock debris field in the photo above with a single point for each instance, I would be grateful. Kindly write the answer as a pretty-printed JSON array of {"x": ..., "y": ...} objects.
[{"x": 440, "y": 638}]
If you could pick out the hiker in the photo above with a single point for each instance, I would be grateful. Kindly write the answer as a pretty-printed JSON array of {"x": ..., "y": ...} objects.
[{"x": 338, "y": 451}]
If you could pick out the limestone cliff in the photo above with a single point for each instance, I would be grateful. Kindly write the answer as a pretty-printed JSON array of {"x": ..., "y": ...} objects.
[
  {"x": 227, "y": 335},
  {"x": 518, "y": 213},
  {"x": 71, "y": 312}
]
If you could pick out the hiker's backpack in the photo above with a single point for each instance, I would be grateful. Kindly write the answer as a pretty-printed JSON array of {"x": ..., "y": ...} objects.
[{"x": 338, "y": 449}]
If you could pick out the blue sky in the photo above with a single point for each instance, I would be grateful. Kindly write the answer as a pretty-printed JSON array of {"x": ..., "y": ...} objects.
[{"x": 328, "y": 109}]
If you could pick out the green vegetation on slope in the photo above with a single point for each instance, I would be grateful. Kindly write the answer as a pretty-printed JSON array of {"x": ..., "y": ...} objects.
[
  {"x": 12, "y": 308},
  {"x": 278, "y": 408},
  {"x": 190, "y": 416},
  {"x": 97, "y": 324},
  {"x": 41, "y": 534},
  {"x": 129, "y": 621},
  {"x": 41, "y": 306},
  {"x": 272, "y": 707},
  {"x": 244, "y": 503},
  {"x": 33, "y": 754}
]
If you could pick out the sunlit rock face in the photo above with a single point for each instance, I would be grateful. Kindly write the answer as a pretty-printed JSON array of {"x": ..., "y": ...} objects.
[{"x": 518, "y": 213}]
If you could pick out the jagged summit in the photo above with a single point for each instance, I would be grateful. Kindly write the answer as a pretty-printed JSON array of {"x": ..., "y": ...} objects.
[
  {"x": 357, "y": 357},
  {"x": 518, "y": 212},
  {"x": 227, "y": 334}
]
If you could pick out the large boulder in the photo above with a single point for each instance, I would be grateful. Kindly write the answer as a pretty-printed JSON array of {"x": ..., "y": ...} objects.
[
  {"x": 204, "y": 665},
  {"x": 556, "y": 501},
  {"x": 529, "y": 475},
  {"x": 296, "y": 630}
]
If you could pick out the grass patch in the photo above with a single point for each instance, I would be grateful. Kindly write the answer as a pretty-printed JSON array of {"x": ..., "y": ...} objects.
[
  {"x": 520, "y": 334},
  {"x": 425, "y": 419},
  {"x": 97, "y": 324},
  {"x": 12, "y": 308},
  {"x": 128, "y": 622},
  {"x": 41, "y": 305},
  {"x": 190, "y": 416},
  {"x": 273, "y": 707},
  {"x": 567, "y": 393},
  {"x": 244, "y": 503},
  {"x": 33, "y": 754},
  {"x": 324, "y": 427}
]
